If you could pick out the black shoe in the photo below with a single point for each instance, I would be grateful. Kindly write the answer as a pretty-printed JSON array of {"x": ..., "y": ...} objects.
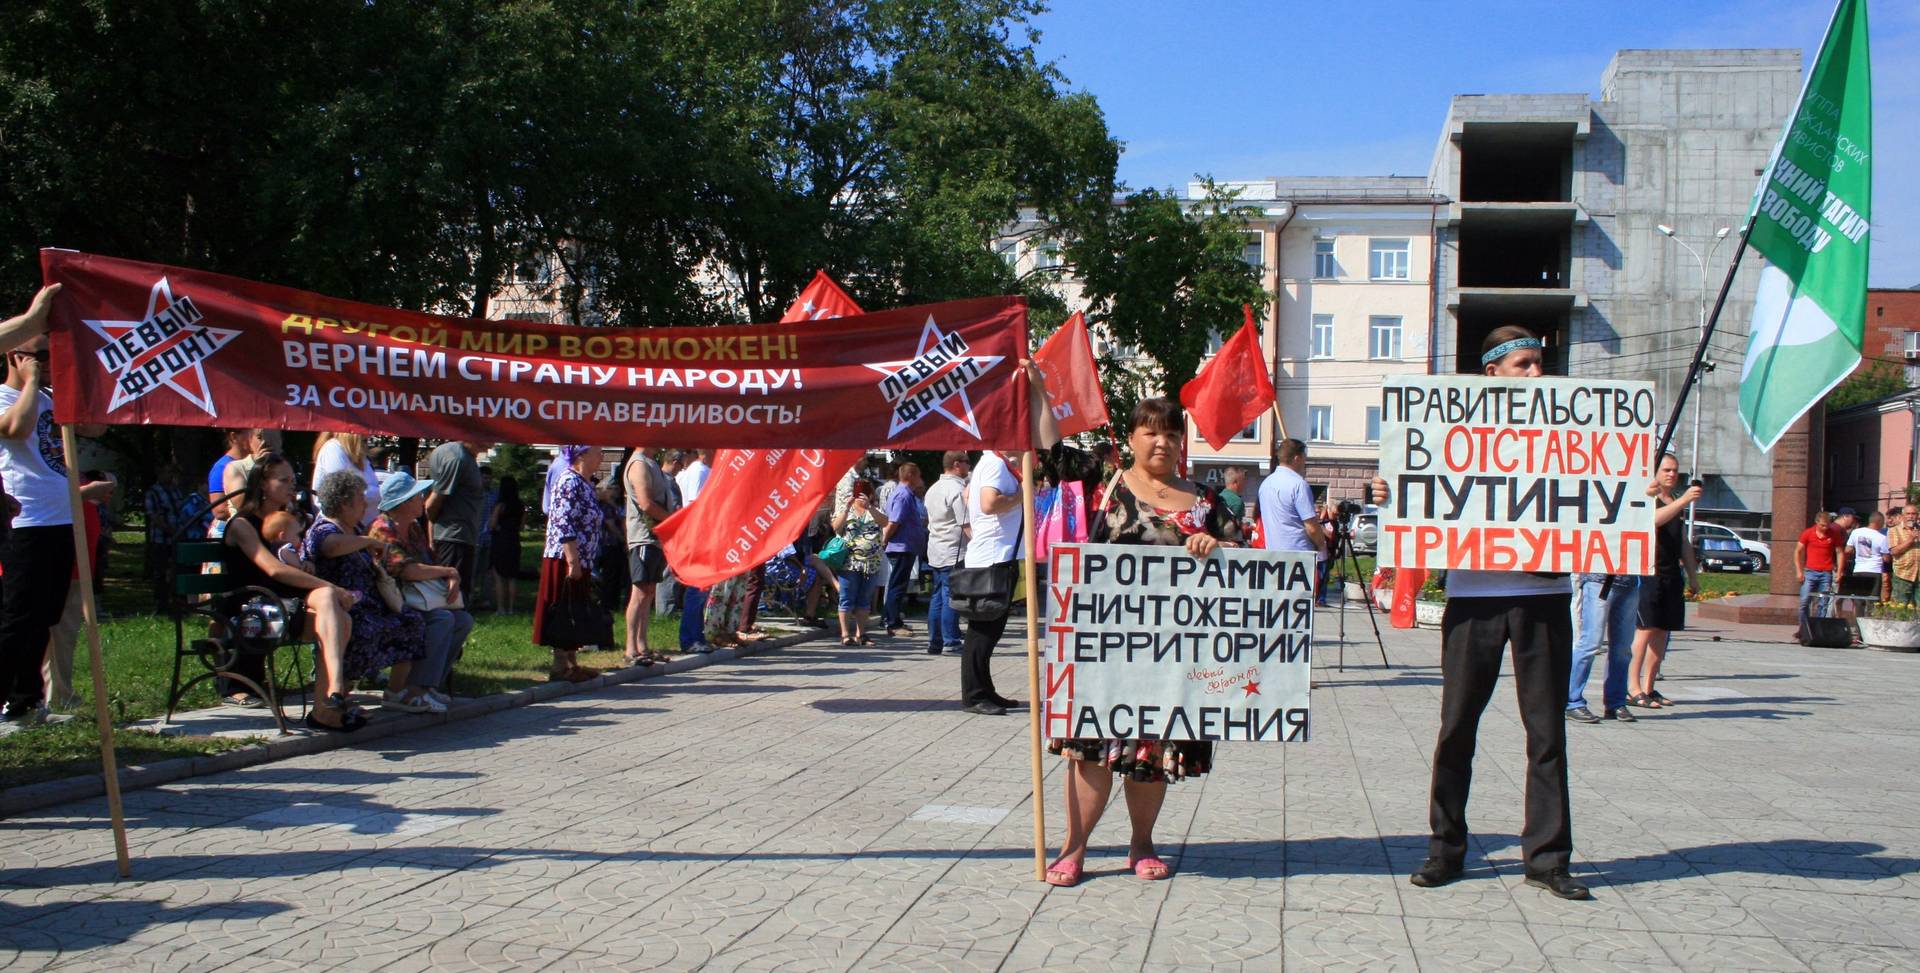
[
  {"x": 1560, "y": 882},
  {"x": 1435, "y": 872},
  {"x": 986, "y": 709},
  {"x": 1005, "y": 703},
  {"x": 934, "y": 651},
  {"x": 1622, "y": 714},
  {"x": 1581, "y": 714}
]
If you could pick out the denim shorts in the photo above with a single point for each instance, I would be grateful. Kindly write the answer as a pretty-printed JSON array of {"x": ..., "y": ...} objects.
[{"x": 856, "y": 590}]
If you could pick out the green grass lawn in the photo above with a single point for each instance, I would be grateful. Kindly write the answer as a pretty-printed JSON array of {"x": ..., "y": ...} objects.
[{"x": 137, "y": 647}]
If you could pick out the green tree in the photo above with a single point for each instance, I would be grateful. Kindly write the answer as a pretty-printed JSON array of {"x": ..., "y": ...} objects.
[
  {"x": 886, "y": 141},
  {"x": 1876, "y": 380},
  {"x": 1164, "y": 275}
]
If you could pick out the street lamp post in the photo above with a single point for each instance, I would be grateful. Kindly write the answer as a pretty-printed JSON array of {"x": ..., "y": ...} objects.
[{"x": 1719, "y": 237}]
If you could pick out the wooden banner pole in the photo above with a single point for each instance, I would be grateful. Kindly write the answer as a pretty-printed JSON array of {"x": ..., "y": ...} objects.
[
  {"x": 1033, "y": 670},
  {"x": 83, "y": 563}
]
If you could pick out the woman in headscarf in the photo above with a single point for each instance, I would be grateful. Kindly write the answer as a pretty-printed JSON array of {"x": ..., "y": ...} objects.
[{"x": 573, "y": 545}]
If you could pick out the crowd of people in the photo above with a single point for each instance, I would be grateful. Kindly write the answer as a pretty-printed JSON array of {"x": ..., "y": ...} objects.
[
  {"x": 381, "y": 566},
  {"x": 1841, "y": 562}
]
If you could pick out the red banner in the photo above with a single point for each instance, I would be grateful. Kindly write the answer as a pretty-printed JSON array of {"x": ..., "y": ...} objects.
[
  {"x": 755, "y": 503},
  {"x": 140, "y": 343},
  {"x": 1073, "y": 382},
  {"x": 766, "y": 496}
]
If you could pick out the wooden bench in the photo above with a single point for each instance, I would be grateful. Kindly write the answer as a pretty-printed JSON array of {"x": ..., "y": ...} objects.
[{"x": 210, "y": 598}]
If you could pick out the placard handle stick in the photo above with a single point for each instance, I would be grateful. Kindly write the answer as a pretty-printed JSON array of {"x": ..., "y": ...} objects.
[
  {"x": 83, "y": 563},
  {"x": 1033, "y": 670},
  {"x": 1693, "y": 369},
  {"x": 1280, "y": 421}
]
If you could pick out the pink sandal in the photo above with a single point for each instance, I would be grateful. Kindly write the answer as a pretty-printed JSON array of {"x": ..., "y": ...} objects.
[
  {"x": 1063, "y": 874},
  {"x": 1143, "y": 868}
]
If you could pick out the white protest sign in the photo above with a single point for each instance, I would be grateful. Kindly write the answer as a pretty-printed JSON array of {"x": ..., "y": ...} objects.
[
  {"x": 1530, "y": 474},
  {"x": 1148, "y": 643}
]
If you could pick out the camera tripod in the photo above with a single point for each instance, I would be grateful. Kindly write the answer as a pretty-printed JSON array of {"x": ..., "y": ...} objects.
[{"x": 1340, "y": 544}]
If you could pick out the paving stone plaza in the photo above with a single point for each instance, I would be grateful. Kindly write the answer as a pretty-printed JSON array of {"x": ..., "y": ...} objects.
[{"x": 830, "y": 808}]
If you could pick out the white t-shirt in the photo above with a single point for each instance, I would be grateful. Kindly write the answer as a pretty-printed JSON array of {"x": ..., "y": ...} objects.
[
  {"x": 35, "y": 467},
  {"x": 333, "y": 459},
  {"x": 1869, "y": 550},
  {"x": 692, "y": 480},
  {"x": 996, "y": 537}
]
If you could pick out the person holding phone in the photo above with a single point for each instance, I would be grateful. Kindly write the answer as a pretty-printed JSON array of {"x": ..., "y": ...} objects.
[{"x": 862, "y": 525}]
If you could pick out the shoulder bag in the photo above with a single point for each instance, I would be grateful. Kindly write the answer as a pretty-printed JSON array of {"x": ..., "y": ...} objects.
[
  {"x": 982, "y": 594},
  {"x": 835, "y": 553},
  {"x": 576, "y": 618}
]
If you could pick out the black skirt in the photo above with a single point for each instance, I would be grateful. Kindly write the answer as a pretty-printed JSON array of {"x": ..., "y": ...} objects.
[{"x": 1663, "y": 601}]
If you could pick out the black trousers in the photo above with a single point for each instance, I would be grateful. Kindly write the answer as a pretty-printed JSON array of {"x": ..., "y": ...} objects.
[
  {"x": 464, "y": 558},
  {"x": 899, "y": 581},
  {"x": 1474, "y": 635},
  {"x": 976, "y": 660},
  {"x": 37, "y": 563}
]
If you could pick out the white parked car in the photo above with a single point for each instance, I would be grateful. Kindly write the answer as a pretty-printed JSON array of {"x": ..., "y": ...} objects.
[
  {"x": 1365, "y": 529},
  {"x": 1755, "y": 548}
]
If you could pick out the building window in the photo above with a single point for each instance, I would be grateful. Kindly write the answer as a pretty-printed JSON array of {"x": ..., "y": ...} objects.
[
  {"x": 1387, "y": 260},
  {"x": 1323, "y": 336},
  {"x": 1254, "y": 252},
  {"x": 1320, "y": 423},
  {"x": 1009, "y": 251},
  {"x": 1373, "y": 423},
  {"x": 531, "y": 270},
  {"x": 1324, "y": 266},
  {"x": 1047, "y": 256},
  {"x": 540, "y": 316},
  {"x": 1251, "y": 434},
  {"x": 1383, "y": 337},
  {"x": 1214, "y": 342}
]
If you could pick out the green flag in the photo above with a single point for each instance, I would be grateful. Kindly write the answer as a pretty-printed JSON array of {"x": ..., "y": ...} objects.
[{"x": 1809, "y": 219}]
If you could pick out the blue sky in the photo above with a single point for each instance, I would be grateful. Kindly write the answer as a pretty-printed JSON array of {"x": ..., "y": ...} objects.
[{"x": 1239, "y": 89}]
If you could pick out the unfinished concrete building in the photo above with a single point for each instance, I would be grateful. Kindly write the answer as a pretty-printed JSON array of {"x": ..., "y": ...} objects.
[{"x": 1556, "y": 223}]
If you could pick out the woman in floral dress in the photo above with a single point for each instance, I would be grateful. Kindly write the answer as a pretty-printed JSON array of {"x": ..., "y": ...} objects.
[
  {"x": 382, "y": 638},
  {"x": 1148, "y": 503},
  {"x": 860, "y": 526},
  {"x": 573, "y": 546}
]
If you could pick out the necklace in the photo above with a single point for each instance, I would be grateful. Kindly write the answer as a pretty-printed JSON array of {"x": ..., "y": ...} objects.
[{"x": 1159, "y": 488}]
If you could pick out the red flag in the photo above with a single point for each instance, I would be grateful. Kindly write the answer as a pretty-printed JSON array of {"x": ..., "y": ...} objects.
[
  {"x": 1232, "y": 390},
  {"x": 761, "y": 499},
  {"x": 1073, "y": 384},
  {"x": 819, "y": 300},
  {"x": 1407, "y": 583},
  {"x": 756, "y": 502}
]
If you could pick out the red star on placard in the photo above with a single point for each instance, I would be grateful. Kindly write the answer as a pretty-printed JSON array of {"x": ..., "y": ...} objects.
[{"x": 1252, "y": 688}]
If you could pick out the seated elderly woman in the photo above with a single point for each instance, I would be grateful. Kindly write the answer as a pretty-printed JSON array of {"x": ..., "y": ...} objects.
[
  {"x": 383, "y": 636},
  {"x": 432, "y": 589}
]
